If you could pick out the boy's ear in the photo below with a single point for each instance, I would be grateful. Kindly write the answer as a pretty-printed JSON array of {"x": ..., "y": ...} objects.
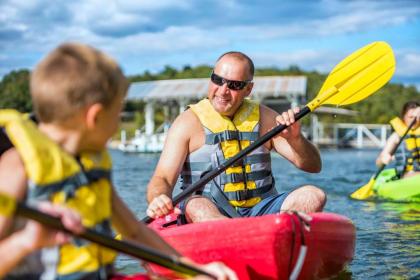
[{"x": 92, "y": 115}]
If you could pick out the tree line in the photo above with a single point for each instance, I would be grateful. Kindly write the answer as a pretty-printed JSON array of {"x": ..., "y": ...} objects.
[{"x": 378, "y": 108}]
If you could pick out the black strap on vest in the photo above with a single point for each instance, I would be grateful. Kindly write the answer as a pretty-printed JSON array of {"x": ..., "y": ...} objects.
[
  {"x": 247, "y": 194},
  {"x": 205, "y": 166},
  {"x": 252, "y": 159},
  {"x": 240, "y": 177},
  {"x": 222, "y": 202},
  {"x": 215, "y": 138},
  {"x": 69, "y": 185},
  {"x": 230, "y": 178}
]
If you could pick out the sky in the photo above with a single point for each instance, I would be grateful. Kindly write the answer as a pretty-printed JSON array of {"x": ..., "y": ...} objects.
[{"x": 147, "y": 35}]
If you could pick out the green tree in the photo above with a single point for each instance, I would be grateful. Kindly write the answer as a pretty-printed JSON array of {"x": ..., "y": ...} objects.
[
  {"x": 378, "y": 108},
  {"x": 14, "y": 91}
]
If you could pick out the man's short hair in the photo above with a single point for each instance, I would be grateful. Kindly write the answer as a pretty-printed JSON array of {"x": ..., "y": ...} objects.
[
  {"x": 72, "y": 77},
  {"x": 243, "y": 57}
]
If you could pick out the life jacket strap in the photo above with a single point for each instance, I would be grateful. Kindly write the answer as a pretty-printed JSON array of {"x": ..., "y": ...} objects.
[
  {"x": 69, "y": 185},
  {"x": 222, "y": 202},
  {"x": 240, "y": 177},
  {"x": 262, "y": 192},
  {"x": 215, "y": 138},
  {"x": 205, "y": 166}
]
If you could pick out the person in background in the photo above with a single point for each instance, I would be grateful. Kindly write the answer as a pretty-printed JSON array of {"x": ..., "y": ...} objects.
[
  {"x": 216, "y": 129},
  {"x": 407, "y": 155},
  {"x": 77, "y": 93}
]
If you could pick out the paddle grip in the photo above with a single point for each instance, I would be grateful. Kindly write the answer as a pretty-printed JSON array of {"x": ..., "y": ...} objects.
[
  {"x": 221, "y": 168},
  {"x": 128, "y": 248}
]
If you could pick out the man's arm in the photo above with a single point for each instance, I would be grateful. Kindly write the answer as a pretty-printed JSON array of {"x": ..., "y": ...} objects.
[
  {"x": 385, "y": 156},
  {"x": 175, "y": 151},
  {"x": 290, "y": 143}
]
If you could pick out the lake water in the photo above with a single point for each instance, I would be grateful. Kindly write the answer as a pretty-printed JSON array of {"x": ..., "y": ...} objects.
[{"x": 388, "y": 234}]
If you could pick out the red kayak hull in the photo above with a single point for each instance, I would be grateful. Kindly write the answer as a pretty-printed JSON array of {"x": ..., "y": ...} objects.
[
  {"x": 266, "y": 247},
  {"x": 131, "y": 277}
]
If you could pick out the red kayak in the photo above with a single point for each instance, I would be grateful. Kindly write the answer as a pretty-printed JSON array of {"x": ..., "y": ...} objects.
[{"x": 280, "y": 246}]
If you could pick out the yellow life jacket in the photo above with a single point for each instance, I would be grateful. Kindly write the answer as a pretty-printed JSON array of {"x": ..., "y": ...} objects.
[
  {"x": 407, "y": 155},
  {"x": 250, "y": 180},
  {"x": 82, "y": 184}
]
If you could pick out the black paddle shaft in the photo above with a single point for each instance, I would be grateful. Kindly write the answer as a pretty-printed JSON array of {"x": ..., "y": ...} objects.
[
  {"x": 395, "y": 148},
  {"x": 222, "y": 167},
  {"x": 128, "y": 248}
]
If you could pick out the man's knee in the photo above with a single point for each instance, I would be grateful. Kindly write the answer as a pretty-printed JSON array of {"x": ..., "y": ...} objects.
[
  {"x": 197, "y": 203},
  {"x": 200, "y": 208},
  {"x": 319, "y": 197},
  {"x": 307, "y": 199}
]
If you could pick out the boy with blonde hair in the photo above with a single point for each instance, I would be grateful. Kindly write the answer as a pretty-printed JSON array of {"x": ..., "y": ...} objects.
[{"x": 77, "y": 93}]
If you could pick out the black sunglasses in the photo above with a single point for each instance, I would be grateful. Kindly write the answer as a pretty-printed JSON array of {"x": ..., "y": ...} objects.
[{"x": 233, "y": 85}]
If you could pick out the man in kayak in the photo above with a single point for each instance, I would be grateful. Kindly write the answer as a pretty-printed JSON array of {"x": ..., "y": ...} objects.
[
  {"x": 217, "y": 128},
  {"x": 407, "y": 155},
  {"x": 77, "y": 94}
]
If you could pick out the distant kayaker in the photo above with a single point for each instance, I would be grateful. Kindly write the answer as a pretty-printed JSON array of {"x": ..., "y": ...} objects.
[
  {"x": 216, "y": 129},
  {"x": 407, "y": 155},
  {"x": 77, "y": 93}
]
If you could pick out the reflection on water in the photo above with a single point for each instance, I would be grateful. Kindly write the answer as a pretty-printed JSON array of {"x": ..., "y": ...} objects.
[
  {"x": 393, "y": 239},
  {"x": 388, "y": 234}
]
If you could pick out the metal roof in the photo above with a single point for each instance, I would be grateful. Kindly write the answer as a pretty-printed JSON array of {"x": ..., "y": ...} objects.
[
  {"x": 336, "y": 111},
  {"x": 268, "y": 86}
]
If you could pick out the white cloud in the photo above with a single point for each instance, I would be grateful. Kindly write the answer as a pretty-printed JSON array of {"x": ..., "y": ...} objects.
[
  {"x": 408, "y": 64},
  {"x": 364, "y": 19},
  {"x": 147, "y": 5},
  {"x": 110, "y": 15},
  {"x": 308, "y": 59},
  {"x": 166, "y": 31},
  {"x": 340, "y": 23},
  {"x": 171, "y": 40}
]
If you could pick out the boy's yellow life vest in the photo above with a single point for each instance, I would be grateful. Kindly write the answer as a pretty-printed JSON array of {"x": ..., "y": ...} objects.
[
  {"x": 246, "y": 183},
  {"x": 83, "y": 185},
  {"x": 407, "y": 156}
]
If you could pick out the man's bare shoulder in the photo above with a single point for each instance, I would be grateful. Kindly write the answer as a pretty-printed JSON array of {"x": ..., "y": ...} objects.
[
  {"x": 186, "y": 121},
  {"x": 264, "y": 110},
  {"x": 267, "y": 117}
]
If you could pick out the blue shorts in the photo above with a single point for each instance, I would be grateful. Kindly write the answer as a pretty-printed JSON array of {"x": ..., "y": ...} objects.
[{"x": 269, "y": 205}]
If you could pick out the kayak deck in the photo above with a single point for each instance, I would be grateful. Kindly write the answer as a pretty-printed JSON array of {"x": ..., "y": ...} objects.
[
  {"x": 402, "y": 190},
  {"x": 267, "y": 247}
]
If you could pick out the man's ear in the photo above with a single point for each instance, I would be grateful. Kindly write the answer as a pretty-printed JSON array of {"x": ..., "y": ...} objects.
[
  {"x": 92, "y": 115},
  {"x": 249, "y": 89}
]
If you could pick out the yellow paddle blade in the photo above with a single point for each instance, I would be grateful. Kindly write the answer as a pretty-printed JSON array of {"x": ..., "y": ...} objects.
[
  {"x": 364, "y": 192},
  {"x": 358, "y": 76}
]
